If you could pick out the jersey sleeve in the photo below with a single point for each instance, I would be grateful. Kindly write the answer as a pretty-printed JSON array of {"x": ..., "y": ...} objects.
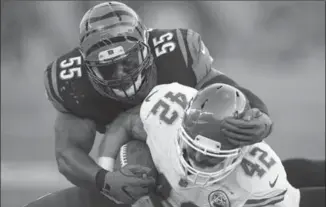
[
  {"x": 51, "y": 87},
  {"x": 269, "y": 185},
  {"x": 195, "y": 53},
  {"x": 282, "y": 195}
]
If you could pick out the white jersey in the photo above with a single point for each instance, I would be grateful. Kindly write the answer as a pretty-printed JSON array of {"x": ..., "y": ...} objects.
[{"x": 260, "y": 180}]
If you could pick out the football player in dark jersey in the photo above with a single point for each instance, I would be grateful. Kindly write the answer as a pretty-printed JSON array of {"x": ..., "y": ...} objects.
[{"x": 115, "y": 66}]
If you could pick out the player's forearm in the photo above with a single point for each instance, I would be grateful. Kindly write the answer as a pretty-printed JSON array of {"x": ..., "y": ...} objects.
[
  {"x": 124, "y": 128},
  {"x": 110, "y": 145},
  {"x": 78, "y": 167},
  {"x": 109, "y": 148}
]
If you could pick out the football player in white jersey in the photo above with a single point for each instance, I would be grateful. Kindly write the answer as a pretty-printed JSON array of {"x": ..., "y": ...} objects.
[{"x": 201, "y": 166}]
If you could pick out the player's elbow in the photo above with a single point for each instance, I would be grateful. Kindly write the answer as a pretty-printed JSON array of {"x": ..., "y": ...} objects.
[
  {"x": 65, "y": 158},
  {"x": 62, "y": 168},
  {"x": 62, "y": 157},
  {"x": 65, "y": 165},
  {"x": 65, "y": 169}
]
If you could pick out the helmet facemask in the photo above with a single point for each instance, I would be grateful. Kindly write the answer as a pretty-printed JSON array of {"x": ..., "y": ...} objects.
[
  {"x": 214, "y": 165},
  {"x": 122, "y": 76}
]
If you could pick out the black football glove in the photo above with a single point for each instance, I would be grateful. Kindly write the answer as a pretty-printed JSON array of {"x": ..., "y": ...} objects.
[
  {"x": 252, "y": 128},
  {"x": 128, "y": 184}
]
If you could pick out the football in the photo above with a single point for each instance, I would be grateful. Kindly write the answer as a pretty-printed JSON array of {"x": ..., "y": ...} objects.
[{"x": 136, "y": 152}]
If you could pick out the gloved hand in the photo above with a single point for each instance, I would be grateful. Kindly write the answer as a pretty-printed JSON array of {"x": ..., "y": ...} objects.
[
  {"x": 252, "y": 128},
  {"x": 128, "y": 184}
]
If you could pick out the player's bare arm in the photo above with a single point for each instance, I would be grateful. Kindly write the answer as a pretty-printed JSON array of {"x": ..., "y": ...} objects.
[
  {"x": 125, "y": 127},
  {"x": 74, "y": 138}
]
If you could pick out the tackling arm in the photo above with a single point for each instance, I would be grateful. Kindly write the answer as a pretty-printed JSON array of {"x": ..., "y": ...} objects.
[
  {"x": 74, "y": 138},
  {"x": 125, "y": 127}
]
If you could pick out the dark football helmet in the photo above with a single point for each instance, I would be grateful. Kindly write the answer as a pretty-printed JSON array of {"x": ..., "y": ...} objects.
[
  {"x": 113, "y": 41},
  {"x": 205, "y": 153}
]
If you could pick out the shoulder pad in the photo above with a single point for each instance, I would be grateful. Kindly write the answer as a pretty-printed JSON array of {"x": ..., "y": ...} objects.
[
  {"x": 64, "y": 69},
  {"x": 51, "y": 90},
  {"x": 261, "y": 170},
  {"x": 267, "y": 184}
]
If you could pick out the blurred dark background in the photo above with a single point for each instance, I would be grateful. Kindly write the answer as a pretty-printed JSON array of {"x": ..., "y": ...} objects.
[{"x": 277, "y": 49}]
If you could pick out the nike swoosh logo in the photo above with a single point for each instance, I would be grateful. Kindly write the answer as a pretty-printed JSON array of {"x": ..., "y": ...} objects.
[
  {"x": 150, "y": 95},
  {"x": 273, "y": 183}
]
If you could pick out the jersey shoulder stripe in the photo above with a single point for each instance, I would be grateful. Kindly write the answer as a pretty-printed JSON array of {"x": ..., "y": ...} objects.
[
  {"x": 182, "y": 40},
  {"x": 51, "y": 87},
  {"x": 198, "y": 56},
  {"x": 182, "y": 44},
  {"x": 266, "y": 201}
]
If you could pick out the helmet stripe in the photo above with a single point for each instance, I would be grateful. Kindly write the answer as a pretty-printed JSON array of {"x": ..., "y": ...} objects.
[
  {"x": 117, "y": 13},
  {"x": 106, "y": 28},
  {"x": 112, "y": 20},
  {"x": 109, "y": 23}
]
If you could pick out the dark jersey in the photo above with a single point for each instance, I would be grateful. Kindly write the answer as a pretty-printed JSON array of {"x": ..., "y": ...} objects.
[{"x": 179, "y": 55}]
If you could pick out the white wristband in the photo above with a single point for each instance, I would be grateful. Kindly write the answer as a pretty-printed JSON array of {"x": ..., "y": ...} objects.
[{"x": 106, "y": 163}]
